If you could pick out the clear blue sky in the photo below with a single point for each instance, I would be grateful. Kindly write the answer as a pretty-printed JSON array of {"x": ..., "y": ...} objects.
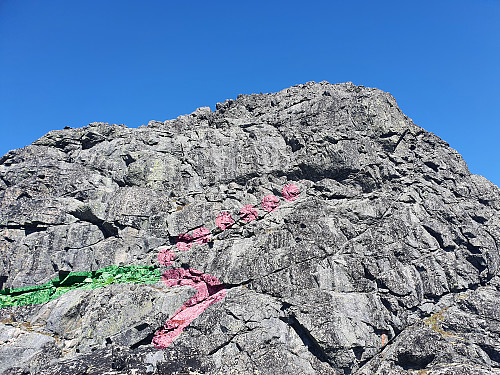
[{"x": 69, "y": 62}]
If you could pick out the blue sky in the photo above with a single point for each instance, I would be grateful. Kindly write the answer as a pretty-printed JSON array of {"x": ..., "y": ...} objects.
[{"x": 69, "y": 63}]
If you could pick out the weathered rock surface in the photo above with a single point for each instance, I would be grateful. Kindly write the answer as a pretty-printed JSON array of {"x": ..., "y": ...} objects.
[{"x": 387, "y": 263}]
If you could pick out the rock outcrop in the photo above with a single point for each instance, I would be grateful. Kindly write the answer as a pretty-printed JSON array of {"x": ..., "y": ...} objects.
[{"x": 383, "y": 258}]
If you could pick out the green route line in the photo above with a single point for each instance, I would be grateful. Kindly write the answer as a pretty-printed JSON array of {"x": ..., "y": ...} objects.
[{"x": 78, "y": 280}]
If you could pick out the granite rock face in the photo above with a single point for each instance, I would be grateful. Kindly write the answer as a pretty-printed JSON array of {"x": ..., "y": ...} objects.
[{"x": 386, "y": 263}]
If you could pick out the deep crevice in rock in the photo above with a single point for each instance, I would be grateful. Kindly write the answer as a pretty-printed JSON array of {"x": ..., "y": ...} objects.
[
  {"x": 221, "y": 346},
  {"x": 146, "y": 341},
  {"x": 400, "y": 140},
  {"x": 438, "y": 236},
  {"x": 477, "y": 261},
  {"x": 491, "y": 351},
  {"x": 432, "y": 165},
  {"x": 85, "y": 214},
  {"x": 29, "y": 228},
  {"x": 141, "y": 326},
  {"x": 306, "y": 337},
  {"x": 410, "y": 361}
]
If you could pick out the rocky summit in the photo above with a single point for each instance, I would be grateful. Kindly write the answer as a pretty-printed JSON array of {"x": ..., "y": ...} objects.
[{"x": 316, "y": 230}]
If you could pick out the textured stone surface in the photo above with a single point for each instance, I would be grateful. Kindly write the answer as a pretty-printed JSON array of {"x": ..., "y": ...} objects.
[{"x": 387, "y": 262}]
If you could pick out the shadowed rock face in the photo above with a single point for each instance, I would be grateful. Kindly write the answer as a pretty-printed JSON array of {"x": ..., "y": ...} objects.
[{"x": 386, "y": 263}]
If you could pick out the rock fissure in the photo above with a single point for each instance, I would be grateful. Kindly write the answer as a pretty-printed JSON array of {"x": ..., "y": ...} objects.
[
  {"x": 223, "y": 345},
  {"x": 307, "y": 339}
]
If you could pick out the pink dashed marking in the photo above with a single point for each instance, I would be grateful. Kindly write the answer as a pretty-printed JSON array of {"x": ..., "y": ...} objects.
[
  {"x": 224, "y": 220},
  {"x": 210, "y": 290},
  {"x": 201, "y": 235},
  {"x": 166, "y": 256},
  {"x": 248, "y": 213},
  {"x": 290, "y": 192},
  {"x": 270, "y": 203},
  {"x": 184, "y": 242}
]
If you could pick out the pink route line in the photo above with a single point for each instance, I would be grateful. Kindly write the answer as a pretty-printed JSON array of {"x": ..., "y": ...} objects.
[{"x": 209, "y": 288}]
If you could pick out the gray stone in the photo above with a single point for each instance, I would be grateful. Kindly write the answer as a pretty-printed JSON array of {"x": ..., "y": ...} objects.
[{"x": 387, "y": 263}]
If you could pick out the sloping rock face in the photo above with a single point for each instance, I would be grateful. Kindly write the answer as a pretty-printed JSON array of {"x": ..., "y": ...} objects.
[{"x": 386, "y": 263}]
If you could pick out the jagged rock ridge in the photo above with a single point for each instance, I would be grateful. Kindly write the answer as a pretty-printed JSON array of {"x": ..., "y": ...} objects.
[{"x": 387, "y": 263}]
